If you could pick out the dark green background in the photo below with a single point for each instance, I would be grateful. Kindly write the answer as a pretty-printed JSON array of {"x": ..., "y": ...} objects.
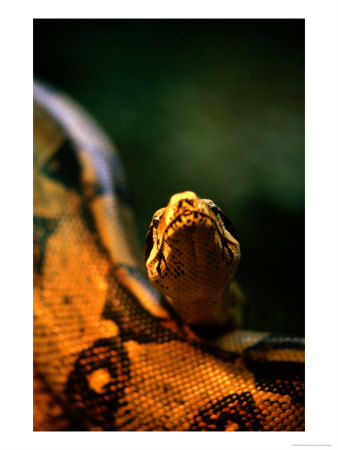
[{"x": 214, "y": 106}]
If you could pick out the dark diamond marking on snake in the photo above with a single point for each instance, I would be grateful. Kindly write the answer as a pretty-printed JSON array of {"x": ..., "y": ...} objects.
[
  {"x": 110, "y": 356},
  {"x": 64, "y": 166},
  {"x": 236, "y": 411},
  {"x": 278, "y": 376},
  {"x": 121, "y": 307}
]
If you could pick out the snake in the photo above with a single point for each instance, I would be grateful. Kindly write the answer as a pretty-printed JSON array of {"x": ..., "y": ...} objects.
[{"x": 116, "y": 349}]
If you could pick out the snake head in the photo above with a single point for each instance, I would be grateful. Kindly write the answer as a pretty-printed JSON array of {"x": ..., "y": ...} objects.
[{"x": 191, "y": 255}]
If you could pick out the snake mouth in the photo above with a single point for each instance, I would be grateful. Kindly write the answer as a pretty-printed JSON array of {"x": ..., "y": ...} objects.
[{"x": 188, "y": 219}]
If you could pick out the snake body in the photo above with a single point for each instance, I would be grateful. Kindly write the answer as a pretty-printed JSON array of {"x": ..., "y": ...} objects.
[{"x": 109, "y": 354}]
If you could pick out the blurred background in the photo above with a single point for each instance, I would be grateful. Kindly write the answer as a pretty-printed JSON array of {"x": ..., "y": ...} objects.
[{"x": 213, "y": 106}]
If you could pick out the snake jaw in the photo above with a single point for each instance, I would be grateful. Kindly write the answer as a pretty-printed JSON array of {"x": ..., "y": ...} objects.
[{"x": 191, "y": 257}]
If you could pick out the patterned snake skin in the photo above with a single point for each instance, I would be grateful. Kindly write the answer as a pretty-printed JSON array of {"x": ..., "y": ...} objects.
[{"x": 108, "y": 353}]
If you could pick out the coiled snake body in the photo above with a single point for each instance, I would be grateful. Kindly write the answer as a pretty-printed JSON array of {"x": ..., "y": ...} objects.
[{"x": 108, "y": 351}]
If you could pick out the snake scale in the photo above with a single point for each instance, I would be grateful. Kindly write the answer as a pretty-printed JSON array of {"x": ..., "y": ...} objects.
[{"x": 109, "y": 352}]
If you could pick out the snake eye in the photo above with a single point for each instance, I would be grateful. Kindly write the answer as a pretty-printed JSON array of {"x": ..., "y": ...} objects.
[
  {"x": 156, "y": 221},
  {"x": 149, "y": 242},
  {"x": 226, "y": 222},
  {"x": 151, "y": 235}
]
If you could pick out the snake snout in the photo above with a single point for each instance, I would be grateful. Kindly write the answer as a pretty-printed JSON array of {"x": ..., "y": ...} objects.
[
  {"x": 184, "y": 204},
  {"x": 183, "y": 201}
]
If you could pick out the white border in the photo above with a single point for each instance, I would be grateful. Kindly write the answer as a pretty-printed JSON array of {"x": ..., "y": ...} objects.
[{"x": 321, "y": 223}]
